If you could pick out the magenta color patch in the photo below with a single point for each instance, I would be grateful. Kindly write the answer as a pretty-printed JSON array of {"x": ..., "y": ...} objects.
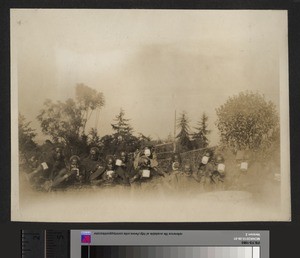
[{"x": 85, "y": 238}]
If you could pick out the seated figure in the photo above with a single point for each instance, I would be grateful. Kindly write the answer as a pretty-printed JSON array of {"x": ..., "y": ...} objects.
[
  {"x": 46, "y": 171},
  {"x": 94, "y": 165},
  {"x": 73, "y": 176},
  {"x": 146, "y": 166},
  {"x": 176, "y": 162}
]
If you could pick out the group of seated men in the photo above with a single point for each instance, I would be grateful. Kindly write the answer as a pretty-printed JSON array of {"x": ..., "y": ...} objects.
[
  {"x": 209, "y": 170},
  {"x": 56, "y": 173}
]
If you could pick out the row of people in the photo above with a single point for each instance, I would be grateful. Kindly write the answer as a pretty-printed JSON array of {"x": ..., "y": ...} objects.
[
  {"x": 55, "y": 172},
  {"x": 211, "y": 170}
]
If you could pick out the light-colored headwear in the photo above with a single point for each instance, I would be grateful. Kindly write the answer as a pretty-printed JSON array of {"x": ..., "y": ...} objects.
[{"x": 75, "y": 157}]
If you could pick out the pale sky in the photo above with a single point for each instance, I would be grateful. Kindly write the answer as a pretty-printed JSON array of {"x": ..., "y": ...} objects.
[{"x": 149, "y": 62}]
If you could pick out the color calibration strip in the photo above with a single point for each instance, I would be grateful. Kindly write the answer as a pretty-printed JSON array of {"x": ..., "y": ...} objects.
[{"x": 172, "y": 252}]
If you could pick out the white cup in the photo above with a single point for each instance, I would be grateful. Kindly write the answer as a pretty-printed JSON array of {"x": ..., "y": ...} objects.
[
  {"x": 44, "y": 165},
  {"x": 109, "y": 173},
  {"x": 221, "y": 168},
  {"x": 204, "y": 160},
  {"x": 244, "y": 166},
  {"x": 146, "y": 173},
  {"x": 147, "y": 152},
  {"x": 118, "y": 162}
]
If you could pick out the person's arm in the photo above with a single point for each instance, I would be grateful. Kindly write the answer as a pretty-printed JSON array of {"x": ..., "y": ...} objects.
[
  {"x": 55, "y": 167},
  {"x": 159, "y": 172},
  {"x": 136, "y": 161},
  {"x": 153, "y": 163},
  {"x": 210, "y": 169},
  {"x": 195, "y": 177},
  {"x": 39, "y": 169},
  {"x": 81, "y": 176}
]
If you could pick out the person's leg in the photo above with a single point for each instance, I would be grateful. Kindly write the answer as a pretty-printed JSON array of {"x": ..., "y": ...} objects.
[
  {"x": 62, "y": 175},
  {"x": 95, "y": 175}
]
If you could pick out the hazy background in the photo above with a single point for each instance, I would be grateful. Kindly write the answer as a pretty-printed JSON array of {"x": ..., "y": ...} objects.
[{"x": 149, "y": 62}]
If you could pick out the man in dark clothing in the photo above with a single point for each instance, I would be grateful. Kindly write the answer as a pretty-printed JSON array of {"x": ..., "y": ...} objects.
[
  {"x": 119, "y": 145},
  {"x": 109, "y": 176},
  {"x": 94, "y": 165},
  {"x": 218, "y": 175},
  {"x": 176, "y": 162},
  {"x": 42, "y": 177},
  {"x": 205, "y": 169},
  {"x": 123, "y": 168},
  {"x": 74, "y": 175},
  {"x": 146, "y": 166}
]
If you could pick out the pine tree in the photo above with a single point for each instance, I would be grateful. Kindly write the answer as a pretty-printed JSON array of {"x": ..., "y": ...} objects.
[
  {"x": 122, "y": 127},
  {"x": 122, "y": 138},
  {"x": 200, "y": 136},
  {"x": 93, "y": 138},
  {"x": 184, "y": 135}
]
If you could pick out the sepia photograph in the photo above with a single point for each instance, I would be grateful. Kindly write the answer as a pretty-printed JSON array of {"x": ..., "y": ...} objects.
[{"x": 122, "y": 115}]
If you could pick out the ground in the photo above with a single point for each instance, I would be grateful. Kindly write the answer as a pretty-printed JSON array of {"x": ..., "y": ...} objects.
[{"x": 159, "y": 200}]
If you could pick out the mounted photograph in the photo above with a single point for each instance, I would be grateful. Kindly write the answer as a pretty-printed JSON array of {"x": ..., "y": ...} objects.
[{"x": 121, "y": 115}]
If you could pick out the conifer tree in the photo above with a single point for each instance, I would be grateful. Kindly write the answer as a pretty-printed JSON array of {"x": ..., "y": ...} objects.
[
  {"x": 200, "y": 136},
  {"x": 184, "y": 135},
  {"x": 122, "y": 126}
]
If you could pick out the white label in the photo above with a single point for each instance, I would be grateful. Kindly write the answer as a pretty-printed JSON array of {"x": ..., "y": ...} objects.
[
  {"x": 110, "y": 173},
  {"x": 76, "y": 170},
  {"x": 175, "y": 165},
  {"x": 204, "y": 160},
  {"x": 146, "y": 173},
  {"x": 118, "y": 162},
  {"x": 221, "y": 168},
  {"x": 244, "y": 166},
  {"x": 147, "y": 152},
  {"x": 44, "y": 165}
]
